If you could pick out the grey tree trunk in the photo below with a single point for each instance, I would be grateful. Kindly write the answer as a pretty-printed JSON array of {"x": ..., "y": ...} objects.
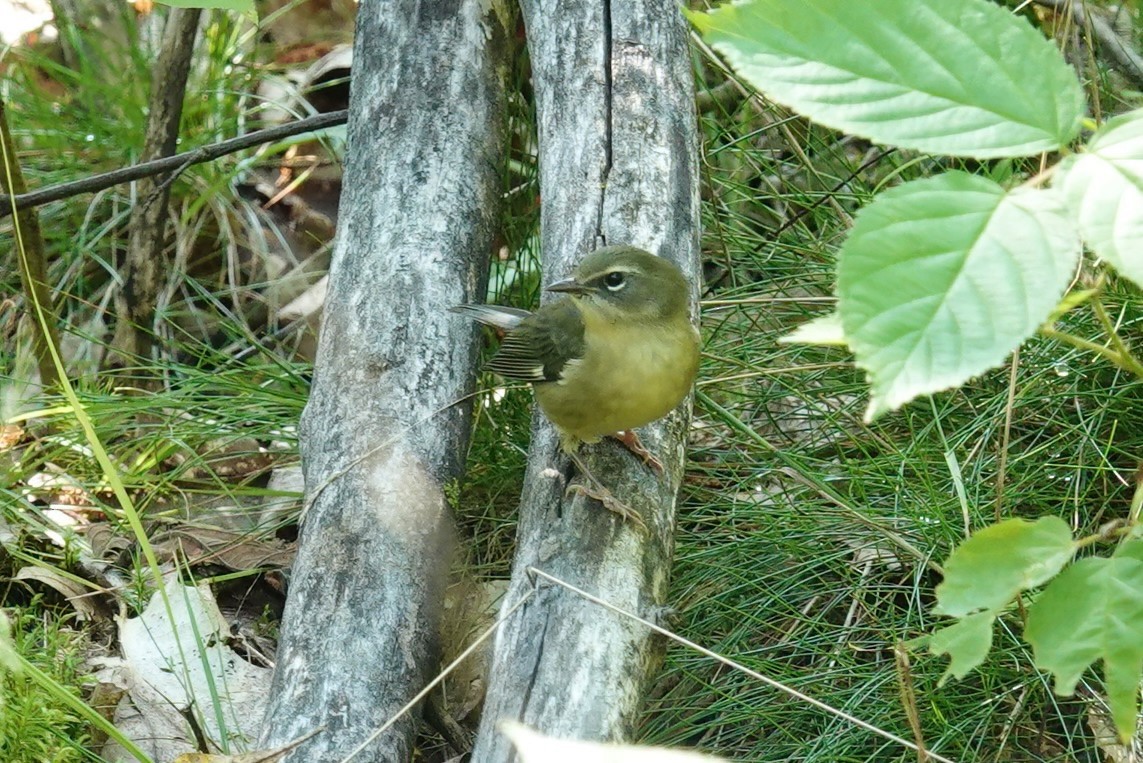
[
  {"x": 386, "y": 426},
  {"x": 618, "y": 164}
]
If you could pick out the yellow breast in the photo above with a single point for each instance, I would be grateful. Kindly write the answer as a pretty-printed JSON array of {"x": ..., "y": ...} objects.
[{"x": 631, "y": 374}]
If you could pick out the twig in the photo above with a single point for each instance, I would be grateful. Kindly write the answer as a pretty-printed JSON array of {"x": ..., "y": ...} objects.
[
  {"x": 176, "y": 163},
  {"x": 1117, "y": 342},
  {"x": 909, "y": 699},
  {"x": 1006, "y": 437},
  {"x": 1128, "y": 364}
]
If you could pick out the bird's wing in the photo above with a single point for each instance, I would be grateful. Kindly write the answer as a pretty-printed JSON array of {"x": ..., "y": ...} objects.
[
  {"x": 504, "y": 318},
  {"x": 540, "y": 347}
]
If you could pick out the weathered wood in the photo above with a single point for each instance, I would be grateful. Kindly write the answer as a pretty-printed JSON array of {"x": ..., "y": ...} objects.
[
  {"x": 386, "y": 425},
  {"x": 618, "y": 164}
]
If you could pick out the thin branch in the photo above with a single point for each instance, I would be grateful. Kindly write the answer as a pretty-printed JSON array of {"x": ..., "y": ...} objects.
[
  {"x": 176, "y": 162},
  {"x": 1130, "y": 361}
]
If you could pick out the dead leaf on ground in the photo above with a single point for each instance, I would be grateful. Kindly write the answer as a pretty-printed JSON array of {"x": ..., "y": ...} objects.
[
  {"x": 234, "y": 550},
  {"x": 258, "y": 756},
  {"x": 10, "y": 436},
  {"x": 177, "y": 670},
  {"x": 75, "y": 593}
]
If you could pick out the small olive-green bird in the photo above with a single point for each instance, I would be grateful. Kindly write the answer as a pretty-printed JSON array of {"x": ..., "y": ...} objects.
[{"x": 617, "y": 352}]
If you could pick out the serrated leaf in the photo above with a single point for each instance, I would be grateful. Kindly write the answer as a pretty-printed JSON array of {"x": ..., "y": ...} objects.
[
  {"x": 941, "y": 278},
  {"x": 1093, "y": 611},
  {"x": 823, "y": 330},
  {"x": 989, "y": 569},
  {"x": 1104, "y": 187},
  {"x": 966, "y": 642},
  {"x": 1132, "y": 549},
  {"x": 964, "y": 78}
]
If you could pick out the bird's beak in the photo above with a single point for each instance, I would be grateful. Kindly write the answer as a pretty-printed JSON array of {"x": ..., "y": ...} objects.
[{"x": 568, "y": 286}]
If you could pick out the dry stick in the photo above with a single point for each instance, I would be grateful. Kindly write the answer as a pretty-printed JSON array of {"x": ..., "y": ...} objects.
[
  {"x": 176, "y": 163},
  {"x": 29, "y": 243},
  {"x": 1120, "y": 55},
  {"x": 737, "y": 666},
  {"x": 909, "y": 699},
  {"x": 1002, "y": 467},
  {"x": 145, "y": 266}
]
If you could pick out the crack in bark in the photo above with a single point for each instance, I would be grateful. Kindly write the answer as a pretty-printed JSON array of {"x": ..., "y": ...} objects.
[
  {"x": 601, "y": 237},
  {"x": 536, "y": 665}
]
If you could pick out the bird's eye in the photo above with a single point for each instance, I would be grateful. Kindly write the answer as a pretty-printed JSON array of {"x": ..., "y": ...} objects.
[{"x": 614, "y": 281}]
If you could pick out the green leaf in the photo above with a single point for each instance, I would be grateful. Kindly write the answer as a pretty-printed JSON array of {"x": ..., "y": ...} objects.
[
  {"x": 1132, "y": 549},
  {"x": 1093, "y": 611},
  {"x": 967, "y": 642},
  {"x": 941, "y": 278},
  {"x": 1104, "y": 187},
  {"x": 823, "y": 330},
  {"x": 958, "y": 77},
  {"x": 998, "y": 562}
]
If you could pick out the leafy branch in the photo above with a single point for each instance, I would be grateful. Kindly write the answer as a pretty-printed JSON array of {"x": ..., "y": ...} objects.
[{"x": 941, "y": 279}]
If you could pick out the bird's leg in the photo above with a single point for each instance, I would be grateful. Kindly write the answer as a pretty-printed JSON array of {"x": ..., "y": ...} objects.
[
  {"x": 595, "y": 489},
  {"x": 629, "y": 438}
]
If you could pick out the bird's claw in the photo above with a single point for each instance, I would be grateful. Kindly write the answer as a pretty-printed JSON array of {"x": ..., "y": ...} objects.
[
  {"x": 629, "y": 438},
  {"x": 609, "y": 502}
]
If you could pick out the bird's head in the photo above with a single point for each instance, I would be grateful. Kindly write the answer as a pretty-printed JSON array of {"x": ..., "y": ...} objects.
[{"x": 627, "y": 284}]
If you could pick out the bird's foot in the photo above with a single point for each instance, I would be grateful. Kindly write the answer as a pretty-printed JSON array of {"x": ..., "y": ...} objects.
[
  {"x": 629, "y": 438},
  {"x": 610, "y": 502},
  {"x": 591, "y": 487}
]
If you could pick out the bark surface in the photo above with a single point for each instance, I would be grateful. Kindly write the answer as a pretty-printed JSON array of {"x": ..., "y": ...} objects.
[
  {"x": 386, "y": 425},
  {"x": 618, "y": 165}
]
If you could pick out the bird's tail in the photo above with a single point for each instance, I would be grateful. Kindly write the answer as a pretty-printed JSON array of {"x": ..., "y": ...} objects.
[{"x": 503, "y": 318}]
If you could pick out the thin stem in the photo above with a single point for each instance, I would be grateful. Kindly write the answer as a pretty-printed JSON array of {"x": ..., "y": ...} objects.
[
  {"x": 1112, "y": 330},
  {"x": 1002, "y": 469},
  {"x": 1130, "y": 365}
]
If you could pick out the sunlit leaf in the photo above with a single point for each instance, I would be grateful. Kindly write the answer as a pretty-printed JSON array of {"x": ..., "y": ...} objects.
[
  {"x": 1093, "y": 611},
  {"x": 959, "y": 77},
  {"x": 989, "y": 569},
  {"x": 1104, "y": 186},
  {"x": 940, "y": 279}
]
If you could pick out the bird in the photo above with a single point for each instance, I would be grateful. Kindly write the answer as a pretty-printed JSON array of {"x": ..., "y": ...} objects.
[{"x": 617, "y": 350}]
